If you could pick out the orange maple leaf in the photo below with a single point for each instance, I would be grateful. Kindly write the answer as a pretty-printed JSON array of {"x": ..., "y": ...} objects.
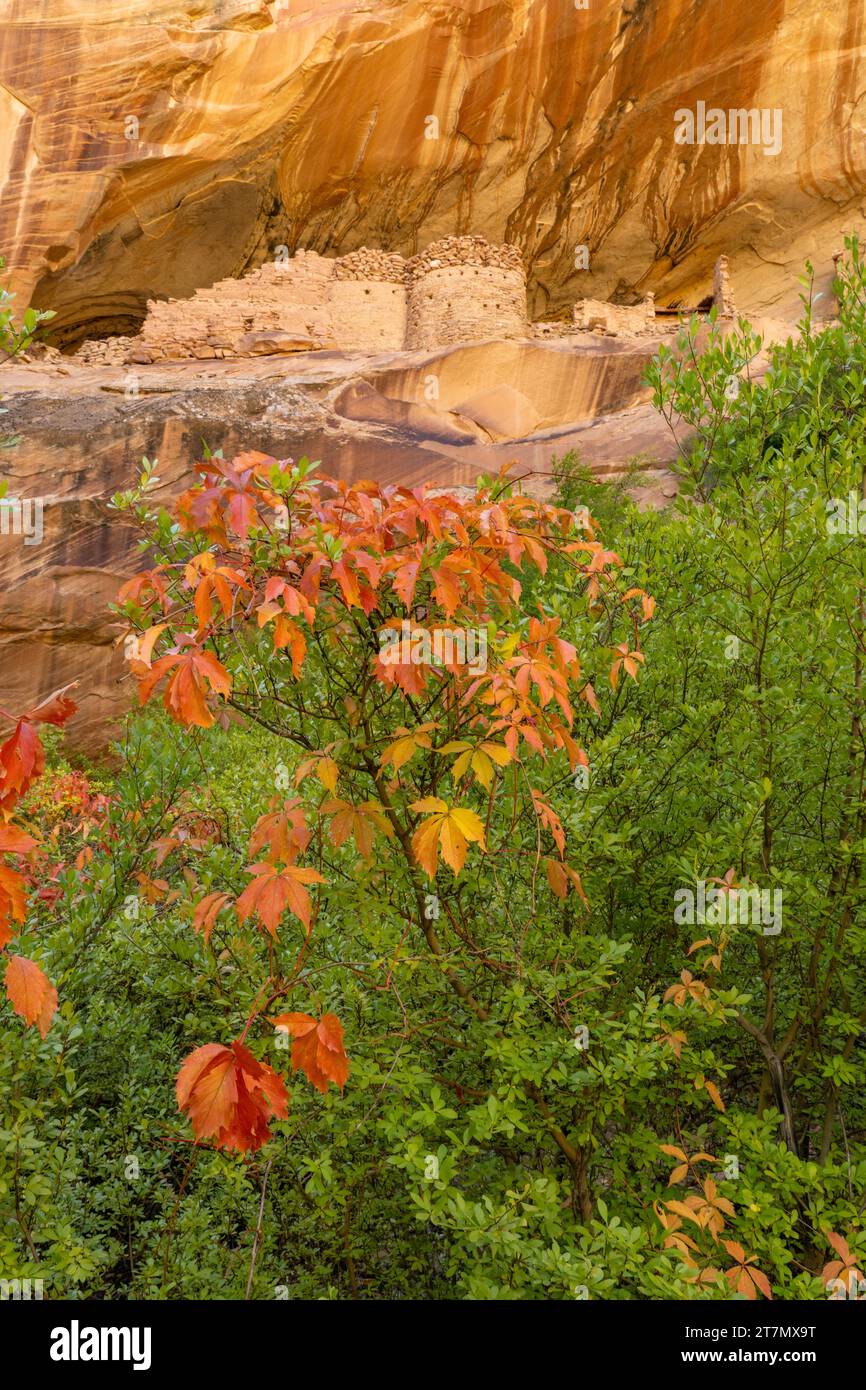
[
  {"x": 742, "y": 1276},
  {"x": 14, "y": 840},
  {"x": 212, "y": 581},
  {"x": 54, "y": 709},
  {"x": 318, "y": 1048},
  {"x": 359, "y": 821},
  {"x": 30, "y": 992},
  {"x": 404, "y": 579},
  {"x": 690, "y": 988},
  {"x": 284, "y": 830},
  {"x": 550, "y": 820},
  {"x": 684, "y": 1163},
  {"x": 712, "y": 1090},
  {"x": 446, "y": 582},
  {"x": 207, "y": 911},
  {"x": 648, "y": 604},
  {"x": 286, "y": 634},
  {"x": 626, "y": 661},
  {"x": 673, "y": 1040},
  {"x": 846, "y": 1263},
  {"x": 230, "y": 1097},
  {"x": 13, "y": 904},
  {"x": 186, "y": 691},
  {"x": 560, "y": 875},
  {"x": 273, "y": 890}
]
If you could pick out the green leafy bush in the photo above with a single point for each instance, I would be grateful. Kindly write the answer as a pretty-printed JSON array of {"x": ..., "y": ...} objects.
[{"x": 707, "y": 1123}]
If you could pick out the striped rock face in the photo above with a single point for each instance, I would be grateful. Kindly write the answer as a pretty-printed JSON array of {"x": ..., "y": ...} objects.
[
  {"x": 184, "y": 150},
  {"x": 149, "y": 148}
]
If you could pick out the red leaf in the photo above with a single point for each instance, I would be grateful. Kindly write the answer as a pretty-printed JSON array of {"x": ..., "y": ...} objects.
[
  {"x": 12, "y": 901},
  {"x": 22, "y": 760},
  {"x": 55, "y": 709}
]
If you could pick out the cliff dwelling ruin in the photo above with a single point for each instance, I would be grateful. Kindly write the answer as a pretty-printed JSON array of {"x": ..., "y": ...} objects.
[{"x": 461, "y": 289}]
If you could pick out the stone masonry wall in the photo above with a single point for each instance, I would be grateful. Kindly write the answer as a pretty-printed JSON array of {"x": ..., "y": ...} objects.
[
  {"x": 368, "y": 316},
  {"x": 364, "y": 264},
  {"x": 368, "y": 301},
  {"x": 594, "y": 315},
  {"x": 723, "y": 296},
  {"x": 288, "y": 297},
  {"x": 463, "y": 288}
]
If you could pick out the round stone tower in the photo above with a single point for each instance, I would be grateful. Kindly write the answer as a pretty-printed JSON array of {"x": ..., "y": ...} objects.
[{"x": 463, "y": 289}]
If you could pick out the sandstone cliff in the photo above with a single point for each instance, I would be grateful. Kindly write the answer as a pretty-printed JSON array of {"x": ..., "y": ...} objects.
[
  {"x": 152, "y": 147},
  {"x": 84, "y": 430}
]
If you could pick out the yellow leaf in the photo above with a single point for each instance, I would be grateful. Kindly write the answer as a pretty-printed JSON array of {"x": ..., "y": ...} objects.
[
  {"x": 498, "y": 752},
  {"x": 430, "y": 803},
  {"x": 448, "y": 829},
  {"x": 406, "y": 745},
  {"x": 469, "y": 824},
  {"x": 400, "y": 752},
  {"x": 328, "y": 772},
  {"x": 482, "y": 767},
  {"x": 453, "y": 843},
  {"x": 459, "y": 766}
]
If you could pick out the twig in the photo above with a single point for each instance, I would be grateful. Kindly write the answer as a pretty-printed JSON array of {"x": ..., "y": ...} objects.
[{"x": 258, "y": 1236}]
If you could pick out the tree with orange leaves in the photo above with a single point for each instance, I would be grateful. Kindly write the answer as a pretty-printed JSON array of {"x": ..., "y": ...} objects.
[{"x": 389, "y": 618}]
